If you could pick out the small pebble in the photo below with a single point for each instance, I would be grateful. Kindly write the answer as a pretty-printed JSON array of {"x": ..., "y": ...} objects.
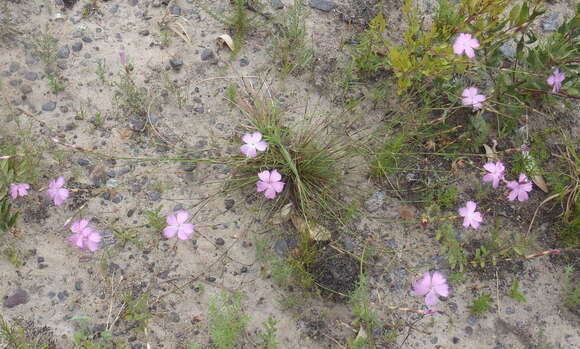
[
  {"x": 220, "y": 242},
  {"x": 50, "y": 106},
  {"x": 78, "y": 285},
  {"x": 63, "y": 52},
  {"x": 77, "y": 46}
]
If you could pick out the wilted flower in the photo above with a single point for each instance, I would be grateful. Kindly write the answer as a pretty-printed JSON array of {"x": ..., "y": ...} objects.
[
  {"x": 470, "y": 216},
  {"x": 253, "y": 142},
  {"x": 465, "y": 43},
  {"x": 85, "y": 237},
  {"x": 56, "y": 192},
  {"x": 431, "y": 287},
  {"x": 176, "y": 226},
  {"x": 270, "y": 183},
  {"x": 18, "y": 189},
  {"x": 471, "y": 97},
  {"x": 122, "y": 57},
  {"x": 555, "y": 80},
  {"x": 496, "y": 173},
  {"x": 519, "y": 188}
]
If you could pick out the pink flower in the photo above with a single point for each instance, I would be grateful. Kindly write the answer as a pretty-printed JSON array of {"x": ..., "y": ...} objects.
[
  {"x": 470, "y": 216},
  {"x": 85, "y": 237},
  {"x": 176, "y": 226},
  {"x": 465, "y": 43},
  {"x": 271, "y": 183},
  {"x": 122, "y": 57},
  {"x": 253, "y": 142},
  {"x": 19, "y": 189},
  {"x": 496, "y": 173},
  {"x": 431, "y": 288},
  {"x": 470, "y": 97},
  {"x": 555, "y": 80},
  {"x": 519, "y": 189},
  {"x": 56, "y": 192}
]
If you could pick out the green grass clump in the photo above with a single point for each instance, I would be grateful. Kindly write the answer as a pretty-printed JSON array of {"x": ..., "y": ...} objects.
[
  {"x": 227, "y": 320},
  {"x": 515, "y": 291},
  {"x": 44, "y": 47},
  {"x": 289, "y": 47}
]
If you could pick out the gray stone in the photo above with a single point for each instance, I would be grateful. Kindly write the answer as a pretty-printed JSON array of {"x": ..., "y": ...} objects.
[
  {"x": 78, "y": 285},
  {"x": 176, "y": 10},
  {"x": 508, "y": 49},
  {"x": 176, "y": 64},
  {"x": 392, "y": 243},
  {"x": 154, "y": 195},
  {"x": 31, "y": 76},
  {"x": 229, "y": 203},
  {"x": 14, "y": 67},
  {"x": 63, "y": 52},
  {"x": 63, "y": 109},
  {"x": 550, "y": 22},
  {"x": 50, "y": 106},
  {"x": 144, "y": 32},
  {"x": 117, "y": 199},
  {"x": 17, "y": 100},
  {"x": 87, "y": 39},
  {"x": 348, "y": 243},
  {"x": 472, "y": 320},
  {"x": 77, "y": 46},
  {"x": 173, "y": 316},
  {"x": 510, "y": 310},
  {"x": 114, "y": 8},
  {"x": 375, "y": 202},
  {"x": 244, "y": 62},
  {"x": 220, "y": 242},
  {"x": 322, "y": 5},
  {"x": 207, "y": 54},
  {"x": 83, "y": 162},
  {"x": 25, "y": 89},
  {"x": 112, "y": 183},
  {"x": 62, "y": 65},
  {"x": 281, "y": 248},
  {"x": 277, "y": 4},
  {"x": 17, "y": 298}
]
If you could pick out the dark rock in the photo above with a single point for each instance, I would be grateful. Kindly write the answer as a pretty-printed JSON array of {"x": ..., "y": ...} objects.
[
  {"x": 244, "y": 62},
  {"x": 277, "y": 4},
  {"x": 117, "y": 199},
  {"x": 230, "y": 203},
  {"x": 455, "y": 340},
  {"x": 50, "y": 106},
  {"x": 510, "y": 310},
  {"x": 87, "y": 39},
  {"x": 31, "y": 76},
  {"x": 434, "y": 340},
  {"x": 114, "y": 8},
  {"x": 63, "y": 52},
  {"x": 178, "y": 207},
  {"x": 210, "y": 279},
  {"x": 154, "y": 195},
  {"x": 207, "y": 54},
  {"x": 62, "y": 295},
  {"x": 78, "y": 285},
  {"x": 42, "y": 266},
  {"x": 322, "y": 5},
  {"x": 244, "y": 270},
  {"x": 40, "y": 259},
  {"x": 19, "y": 297},
  {"x": 469, "y": 330},
  {"x": 472, "y": 320},
  {"x": 83, "y": 162},
  {"x": 62, "y": 65},
  {"x": 63, "y": 109},
  {"x": 77, "y": 46},
  {"x": 70, "y": 126},
  {"x": 144, "y": 32},
  {"x": 176, "y": 64},
  {"x": 220, "y": 242}
]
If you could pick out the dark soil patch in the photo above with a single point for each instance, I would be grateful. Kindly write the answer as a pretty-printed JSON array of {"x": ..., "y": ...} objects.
[{"x": 335, "y": 271}]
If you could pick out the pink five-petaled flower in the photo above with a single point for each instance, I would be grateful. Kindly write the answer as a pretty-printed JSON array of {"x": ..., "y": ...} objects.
[
  {"x": 465, "y": 43},
  {"x": 519, "y": 188},
  {"x": 56, "y": 192},
  {"x": 471, "y": 97},
  {"x": 431, "y": 287},
  {"x": 18, "y": 189},
  {"x": 85, "y": 237},
  {"x": 253, "y": 142},
  {"x": 555, "y": 80},
  {"x": 470, "y": 216},
  {"x": 176, "y": 226},
  {"x": 270, "y": 183},
  {"x": 495, "y": 173}
]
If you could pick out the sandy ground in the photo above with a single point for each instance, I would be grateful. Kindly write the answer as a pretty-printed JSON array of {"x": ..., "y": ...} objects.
[{"x": 64, "y": 284}]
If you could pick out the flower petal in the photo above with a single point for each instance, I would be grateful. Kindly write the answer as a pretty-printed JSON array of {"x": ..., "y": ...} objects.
[
  {"x": 170, "y": 231},
  {"x": 182, "y": 216},
  {"x": 247, "y": 138},
  {"x": 59, "y": 182},
  {"x": 264, "y": 176},
  {"x": 185, "y": 231},
  {"x": 248, "y": 150},
  {"x": 275, "y": 176},
  {"x": 278, "y": 186},
  {"x": 261, "y": 145},
  {"x": 423, "y": 285},
  {"x": 261, "y": 186},
  {"x": 270, "y": 193},
  {"x": 171, "y": 219},
  {"x": 431, "y": 299}
]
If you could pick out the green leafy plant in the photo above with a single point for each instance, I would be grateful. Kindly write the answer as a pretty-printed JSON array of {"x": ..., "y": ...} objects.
[
  {"x": 480, "y": 305},
  {"x": 16, "y": 337},
  {"x": 137, "y": 309},
  {"x": 131, "y": 98},
  {"x": 515, "y": 291},
  {"x": 44, "y": 46},
  {"x": 156, "y": 220},
  {"x": 450, "y": 245},
  {"x": 227, "y": 320},
  {"x": 54, "y": 83},
  {"x": 364, "y": 316},
  {"x": 268, "y": 335},
  {"x": 571, "y": 289}
]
